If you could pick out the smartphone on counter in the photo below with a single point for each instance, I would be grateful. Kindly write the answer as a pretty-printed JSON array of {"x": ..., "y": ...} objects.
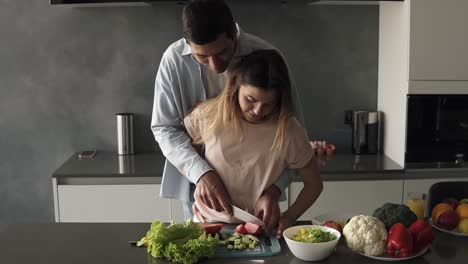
[{"x": 87, "y": 154}]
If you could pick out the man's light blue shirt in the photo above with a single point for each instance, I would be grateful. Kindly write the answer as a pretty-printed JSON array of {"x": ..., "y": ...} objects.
[{"x": 178, "y": 89}]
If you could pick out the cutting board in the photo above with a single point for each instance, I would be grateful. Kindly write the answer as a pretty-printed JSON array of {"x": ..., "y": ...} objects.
[{"x": 268, "y": 246}]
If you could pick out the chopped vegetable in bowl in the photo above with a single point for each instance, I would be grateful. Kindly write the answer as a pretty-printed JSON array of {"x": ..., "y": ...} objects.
[
  {"x": 312, "y": 251},
  {"x": 313, "y": 235}
]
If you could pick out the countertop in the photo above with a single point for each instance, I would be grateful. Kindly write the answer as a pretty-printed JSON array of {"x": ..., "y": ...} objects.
[
  {"x": 437, "y": 166},
  {"x": 110, "y": 165},
  {"x": 100, "y": 243}
]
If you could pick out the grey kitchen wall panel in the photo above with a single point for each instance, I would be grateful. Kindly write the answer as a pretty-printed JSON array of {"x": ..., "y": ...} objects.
[{"x": 65, "y": 72}]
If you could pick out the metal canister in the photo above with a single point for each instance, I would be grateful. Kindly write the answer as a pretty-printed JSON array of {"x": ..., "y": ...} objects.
[
  {"x": 126, "y": 164},
  {"x": 125, "y": 134}
]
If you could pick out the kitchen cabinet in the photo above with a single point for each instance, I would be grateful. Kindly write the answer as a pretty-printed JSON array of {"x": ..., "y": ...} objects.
[
  {"x": 177, "y": 211},
  {"x": 438, "y": 47},
  {"x": 422, "y": 50},
  {"x": 353, "y": 197},
  {"x": 118, "y": 203},
  {"x": 97, "y": 190},
  {"x": 111, "y": 203}
]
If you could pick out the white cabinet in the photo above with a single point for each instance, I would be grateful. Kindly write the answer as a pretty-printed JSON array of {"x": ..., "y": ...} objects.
[
  {"x": 177, "y": 210},
  {"x": 354, "y": 197},
  {"x": 423, "y": 49},
  {"x": 141, "y": 202},
  {"x": 117, "y": 203},
  {"x": 285, "y": 204},
  {"x": 438, "y": 40},
  {"x": 111, "y": 203}
]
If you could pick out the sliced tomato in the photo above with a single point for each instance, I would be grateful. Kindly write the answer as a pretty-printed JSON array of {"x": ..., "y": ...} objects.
[
  {"x": 212, "y": 228},
  {"x": 253, "y": 229},
  {"x": 240, "y": 229}
]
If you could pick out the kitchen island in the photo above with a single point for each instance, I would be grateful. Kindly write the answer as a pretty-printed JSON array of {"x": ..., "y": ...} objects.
[
  {"x": 113, "y": 188},
  {"x": 102, "y": 243}
]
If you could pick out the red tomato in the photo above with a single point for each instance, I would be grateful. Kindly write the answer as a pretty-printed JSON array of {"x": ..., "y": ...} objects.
[
  {"x": 212, "y": 228},
  {"x": 253, "y": 229},
  {"x": 334, "y": 225},
  {"x": 240, "y": 229}
]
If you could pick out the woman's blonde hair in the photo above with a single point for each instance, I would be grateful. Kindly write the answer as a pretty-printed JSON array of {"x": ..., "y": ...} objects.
[{"x": 264, "y": 69}]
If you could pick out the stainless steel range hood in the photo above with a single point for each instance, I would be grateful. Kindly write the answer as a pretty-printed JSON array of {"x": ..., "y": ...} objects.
[
  {"x": 153, "y": 2},
  {"x": 111, "y": 2}
]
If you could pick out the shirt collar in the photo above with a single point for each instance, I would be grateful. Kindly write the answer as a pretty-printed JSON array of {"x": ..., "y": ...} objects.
[{"x": 188, "y": 51}]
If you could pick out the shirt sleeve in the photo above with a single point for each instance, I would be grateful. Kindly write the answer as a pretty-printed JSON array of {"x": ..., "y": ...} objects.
[
  {"x": 298, "y": 148},
  {"x": 166, "y": 123}
]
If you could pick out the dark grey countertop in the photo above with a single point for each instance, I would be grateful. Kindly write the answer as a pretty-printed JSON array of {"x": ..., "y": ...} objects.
[
  {"x": 358, "y": 164},
  {"x": 100, "y": 243},
  {"x": 110, "y": 165},
  {"x": 437, "y": 166}
]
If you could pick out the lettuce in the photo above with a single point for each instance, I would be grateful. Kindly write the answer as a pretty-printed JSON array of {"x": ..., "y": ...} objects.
[{"x": 180, "y": 242}]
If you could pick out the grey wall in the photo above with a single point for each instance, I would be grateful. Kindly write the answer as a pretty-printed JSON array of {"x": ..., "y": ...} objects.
[{"x": 65, "y": 72}]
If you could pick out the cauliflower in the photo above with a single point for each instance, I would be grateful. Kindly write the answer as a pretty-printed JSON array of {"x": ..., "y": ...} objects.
[{"x": 366, "y": 234}]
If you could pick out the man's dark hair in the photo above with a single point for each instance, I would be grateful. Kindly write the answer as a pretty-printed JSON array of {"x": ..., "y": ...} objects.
[{"x": 204, "y": 20}]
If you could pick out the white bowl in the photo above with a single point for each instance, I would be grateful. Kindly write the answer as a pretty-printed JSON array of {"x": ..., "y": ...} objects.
[{"x": 310, "y": 251}]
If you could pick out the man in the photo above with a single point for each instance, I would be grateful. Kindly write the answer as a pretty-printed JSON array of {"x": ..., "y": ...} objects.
[{"x": 192, "y": 70}]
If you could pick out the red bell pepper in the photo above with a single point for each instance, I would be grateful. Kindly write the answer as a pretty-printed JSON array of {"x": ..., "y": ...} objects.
[
  {"x": 399, "y": 241},
  {"x": 422, "y": 234}
]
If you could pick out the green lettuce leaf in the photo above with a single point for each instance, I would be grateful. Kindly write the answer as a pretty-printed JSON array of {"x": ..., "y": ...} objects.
[{"x": 180, "y": 242}]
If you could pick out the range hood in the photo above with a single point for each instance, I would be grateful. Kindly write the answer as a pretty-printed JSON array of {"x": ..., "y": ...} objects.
[
  {"x": 140, "y": 2},
  {"x": 111, "y": 2}
]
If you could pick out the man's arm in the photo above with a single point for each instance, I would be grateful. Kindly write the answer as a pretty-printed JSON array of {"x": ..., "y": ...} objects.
[
  {"x": 168, "y": 130},
  {"x": 167, "y": 125}
]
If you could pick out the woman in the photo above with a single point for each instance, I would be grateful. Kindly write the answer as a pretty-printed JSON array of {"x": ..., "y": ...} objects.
[{"x": 250, "y": 135}]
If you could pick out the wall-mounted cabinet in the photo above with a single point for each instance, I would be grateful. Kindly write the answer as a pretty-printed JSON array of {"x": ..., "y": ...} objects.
[
  {"x": 422, "y": 50},
  {"x": 438, "y": 49}
]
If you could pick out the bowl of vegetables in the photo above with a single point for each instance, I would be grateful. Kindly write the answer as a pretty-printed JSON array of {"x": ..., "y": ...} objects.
[{"x": 311, "y": 242}]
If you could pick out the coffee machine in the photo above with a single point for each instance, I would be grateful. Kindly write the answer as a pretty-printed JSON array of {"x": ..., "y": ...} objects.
[{"x": 367, "y": 131}]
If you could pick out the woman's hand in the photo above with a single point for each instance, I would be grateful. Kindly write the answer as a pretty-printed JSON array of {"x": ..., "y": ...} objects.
[
  {"x": 285, "y": 222},
  {"x": 267, "y": 208},
  {"x": 212, "y": 192}
]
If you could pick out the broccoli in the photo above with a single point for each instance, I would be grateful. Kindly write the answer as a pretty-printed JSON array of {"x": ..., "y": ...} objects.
[{"x": 391, "y": 214}]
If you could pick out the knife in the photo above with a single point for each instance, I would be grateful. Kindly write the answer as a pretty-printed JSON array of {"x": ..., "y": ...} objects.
[{"x": 246, "y": 216}]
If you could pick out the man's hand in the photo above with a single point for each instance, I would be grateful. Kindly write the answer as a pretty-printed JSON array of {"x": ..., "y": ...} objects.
[
  {"x": 211, "y": 191},
  {"x": 267, "y": 208}
]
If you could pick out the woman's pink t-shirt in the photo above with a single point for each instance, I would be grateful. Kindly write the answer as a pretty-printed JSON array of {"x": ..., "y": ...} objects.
[{"x": 247, "y": 167}]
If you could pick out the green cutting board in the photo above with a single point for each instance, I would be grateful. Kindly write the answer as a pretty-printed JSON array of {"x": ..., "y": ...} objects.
[{"x": 268, "y": 246}]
